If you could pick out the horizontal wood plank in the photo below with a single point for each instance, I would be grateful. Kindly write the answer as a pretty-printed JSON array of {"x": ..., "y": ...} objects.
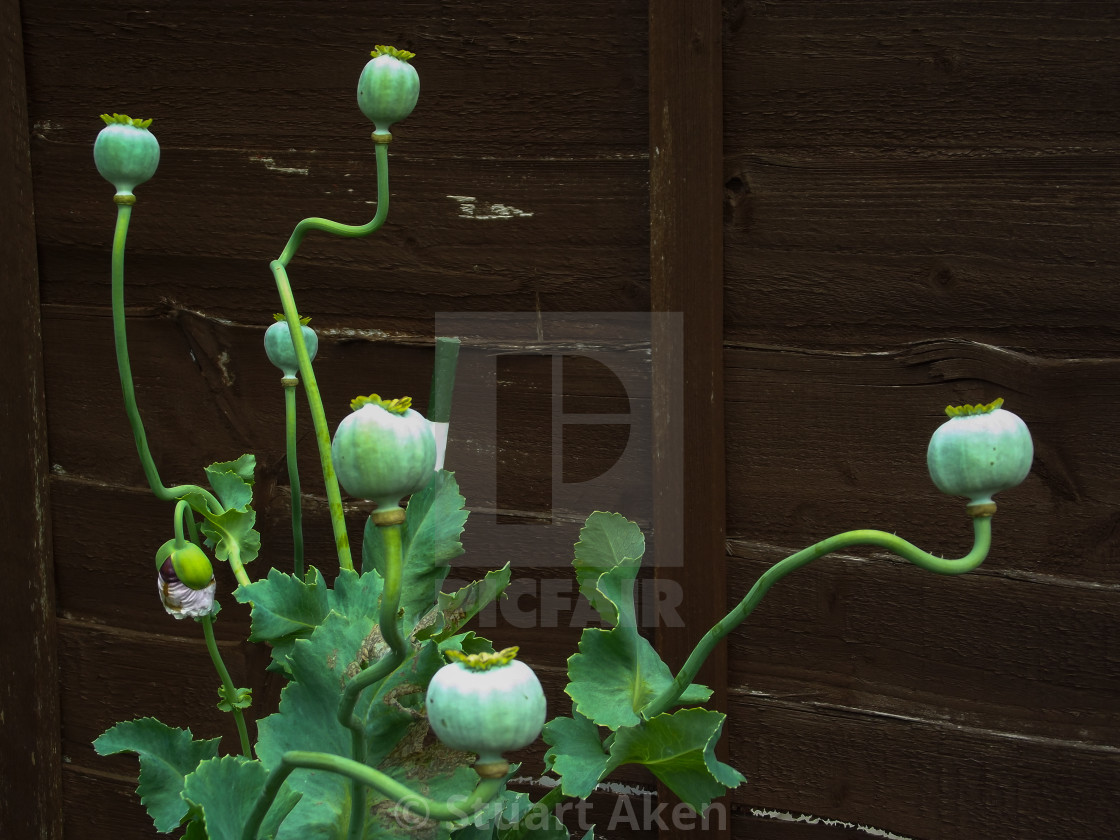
[
  {"x": 943, "y": 169},
  {"x": 225, "y": 77},
  {"x": 878, "y": 633},
  {"x": 939, "y": 76},
  {"x": 824, "y": 441},
  {"x": 917, "y": 778}
]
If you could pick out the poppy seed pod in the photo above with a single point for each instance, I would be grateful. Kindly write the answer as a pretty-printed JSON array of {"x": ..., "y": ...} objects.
[
  {"x": 125, "y": 152},
  {"x": 979, "y": 451}
]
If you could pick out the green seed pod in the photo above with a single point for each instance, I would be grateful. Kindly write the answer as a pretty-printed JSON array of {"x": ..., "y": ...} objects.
[
  {"x": 280, "y": 349},
  {"x": 125, "y": 152},
  {"x": 384, "y": 451},
  {"x": 192, "y": 566},
  {"x": 487, "y": 704},
  {"x": 388, "y": 87},
  {"x": 979, "y": 451}
]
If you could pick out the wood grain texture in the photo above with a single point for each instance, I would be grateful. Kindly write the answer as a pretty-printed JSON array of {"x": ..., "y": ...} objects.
[
  {"x": 919, "y": 201},
  {"x": 919, "y": 204},
  {"x": 686, "y": 275},
  {"x": 945, "y": 784},
  {"x": 30, "y": 767},
  {"x": 927, "y": 168},
  {"x": 506, "y": 197}
]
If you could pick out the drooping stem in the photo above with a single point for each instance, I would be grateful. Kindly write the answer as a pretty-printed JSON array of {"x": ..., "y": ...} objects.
[
  {"x": 390, "y": 632},
  {"x": 318, "y": 417},
  {"x": 207, "y": 622},
  {"x": 128, "y": 389},
  {"x": 290, "y": 428},
  {"x": 181, "y": 510},
  {"x": 381, "y": 152},
  {"x": 452, "y": 809},
  {"x": 307, "y": 372},
  {"x": 982, "y": 542}
]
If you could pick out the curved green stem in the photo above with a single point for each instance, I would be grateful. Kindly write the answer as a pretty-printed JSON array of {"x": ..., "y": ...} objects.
[
  {"x": 391, "y": 633},
  {"x": 207, "y": 622},
  {"x": 365, "y": 776},
  {"x": 381, "y": 152},
  {"x": 318, "y": 416},
  {"x": 128, "y": 389},
  {"x": 235, "y": 564},
  {"x": 181, "y": 509},
  {"x": 307, "y": 372},
  {"x": 982, "y": 542},
  {"x": 293, "y": 478}
]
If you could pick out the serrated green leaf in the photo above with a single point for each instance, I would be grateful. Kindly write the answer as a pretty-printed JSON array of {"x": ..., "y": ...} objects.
[
  {"x": 232, "y": 527},
  {"x": 608, "y": 554},
  {"x": 679, "y": 749},
  {"x": 223, "y": 792},
  {"x": 167, "y": 756},
  {"x": 355, "y": 594},
  {"x": 284, "y": 606},
  {"x": 232, "y": 481},
  {"x": 695, "y": 695},
  {"x": 614, "y": 675},
  {"x": 397, "y": 703},
  {"x": 434, "y": 520},
  {"x": 453, "y": 611},
  {"x": 501, "y": 812},
  {"x": 575, "y": 754},
  {"x": 320, "y": 665},
  {"x": 233, "y": 485},
  {"x": 468, "y": 643}
]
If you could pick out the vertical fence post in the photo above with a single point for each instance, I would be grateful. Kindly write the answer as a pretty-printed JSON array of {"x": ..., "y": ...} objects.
[
  {"x": 30, "y": 765},
  {"x": 686, "y": 264}
]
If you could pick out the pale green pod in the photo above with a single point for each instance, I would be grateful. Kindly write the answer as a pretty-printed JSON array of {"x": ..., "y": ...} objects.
[
  {"x": 979, "y": 451},
  {"x": 126, "y": 152},
  {"x": 388, "y": 87},
  {"x": 383, "y": 451},
  {"x": 281, "y": 351},
  {"x": 487, "y": 709}
]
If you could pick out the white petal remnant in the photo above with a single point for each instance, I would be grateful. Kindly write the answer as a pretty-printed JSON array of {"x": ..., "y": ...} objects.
[{"x": 179, "y": 599}]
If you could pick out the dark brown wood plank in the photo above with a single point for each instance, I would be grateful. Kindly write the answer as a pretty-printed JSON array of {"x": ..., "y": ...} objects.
[
  {"x": 103, "y": 806},
  {"x": 1013, "y": 249},
  {"x": 852, "y": 77},
  {"x": 207, "y": 393},
  {"x": 579, "y": 248},
  {"x": 919, "y": 778},
  {"x": 686, "y": 275},
  {"x": 228, "y": 79},
  {"x": 876, "y": 633},
  {"x": 939, "y": 169},
  {"x": 838, "y": 441},
  {"x": 30, "y": 762}
]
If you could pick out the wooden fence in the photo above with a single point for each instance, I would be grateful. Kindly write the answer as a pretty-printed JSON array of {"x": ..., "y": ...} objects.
[{"x": 863, "y": 211}]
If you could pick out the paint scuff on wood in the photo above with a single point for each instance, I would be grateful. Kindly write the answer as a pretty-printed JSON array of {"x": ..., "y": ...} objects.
[
  {"x": 472, "y": 208},
  {"x": 270, "y": 164}
]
